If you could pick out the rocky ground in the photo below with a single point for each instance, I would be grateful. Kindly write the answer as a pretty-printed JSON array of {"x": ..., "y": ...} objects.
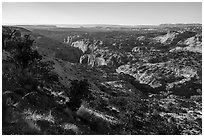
[{"x": 141, "y": 82}]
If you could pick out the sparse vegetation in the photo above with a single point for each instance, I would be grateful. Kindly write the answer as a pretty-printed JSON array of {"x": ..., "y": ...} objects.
[{"x": 154, "y": 91}]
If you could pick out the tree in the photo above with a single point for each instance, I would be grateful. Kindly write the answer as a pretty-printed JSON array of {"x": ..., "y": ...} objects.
[
  {"x": 24, "y": 58},
  {"x": 79, "y": 90},
  {"x": 20, "y": 47}
]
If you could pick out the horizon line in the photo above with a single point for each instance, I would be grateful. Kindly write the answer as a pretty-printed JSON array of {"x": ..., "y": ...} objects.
[{"x": 76, "y": 24}]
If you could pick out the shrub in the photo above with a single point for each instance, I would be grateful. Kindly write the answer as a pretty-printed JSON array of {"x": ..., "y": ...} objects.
[{"x": 79, "y": 90}]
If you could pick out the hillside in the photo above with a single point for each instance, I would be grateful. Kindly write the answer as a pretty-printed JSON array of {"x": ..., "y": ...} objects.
[{"x": 101, "y": 82}]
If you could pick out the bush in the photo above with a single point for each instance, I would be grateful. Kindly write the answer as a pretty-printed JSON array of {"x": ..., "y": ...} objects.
[{"x": 79, "y": 90}]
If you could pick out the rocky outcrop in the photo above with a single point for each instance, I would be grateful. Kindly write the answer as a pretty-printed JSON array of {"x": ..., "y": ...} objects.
[
  {"x": 68, "y": 40},
  {"x": 193, "y": 44},
  {"x": 99, "y": 61},
  {"x": 141, "y": 38},
  {"x": 138, "y": 49},
  {"x": 116, "y": 59},
  {"x": 167, "y": 38},
  {"x": 159, "y": 76},
  {"x": 82, "y": 45},
  {"x": 87, "y": 59},
  {"x": 92, "y": 60}
]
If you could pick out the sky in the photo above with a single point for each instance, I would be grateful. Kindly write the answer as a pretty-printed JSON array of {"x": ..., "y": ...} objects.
[{"x": 135, "y": 13}]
